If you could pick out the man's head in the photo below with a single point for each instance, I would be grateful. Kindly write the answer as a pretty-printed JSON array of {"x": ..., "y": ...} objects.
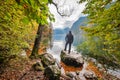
[{"x": 70, "y": 32}]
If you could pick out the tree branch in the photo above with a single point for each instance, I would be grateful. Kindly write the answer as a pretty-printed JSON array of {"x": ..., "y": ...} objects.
[{"x": 58, "y": 10}]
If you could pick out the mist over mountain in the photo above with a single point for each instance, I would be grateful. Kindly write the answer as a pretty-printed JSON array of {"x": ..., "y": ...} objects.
[
  {"x": 71, "y": 9},
  {"x": 77, "y": 32}
]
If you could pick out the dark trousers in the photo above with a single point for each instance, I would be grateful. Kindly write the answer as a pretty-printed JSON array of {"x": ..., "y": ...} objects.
[{"x": 69, "y": 46}]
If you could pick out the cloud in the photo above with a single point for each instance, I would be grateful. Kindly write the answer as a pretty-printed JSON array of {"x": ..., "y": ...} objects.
[{"x": 67, "y": 7}]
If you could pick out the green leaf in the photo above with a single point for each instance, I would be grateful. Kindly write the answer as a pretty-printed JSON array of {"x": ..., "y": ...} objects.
[{"x": 25, "y": 20}]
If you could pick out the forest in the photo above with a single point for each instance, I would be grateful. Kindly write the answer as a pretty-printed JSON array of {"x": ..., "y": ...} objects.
[
  {"x": 25, "y": 29},
  {"x": 102, "y": 35}
]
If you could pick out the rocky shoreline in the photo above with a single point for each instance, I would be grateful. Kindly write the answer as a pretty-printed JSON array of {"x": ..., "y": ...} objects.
[
  {"x": 46, "y": 67},
  {"x": 54, "y": 70}
]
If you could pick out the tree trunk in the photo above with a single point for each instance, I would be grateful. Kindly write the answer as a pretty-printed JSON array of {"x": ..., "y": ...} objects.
[{"x": 37, "y": 42}]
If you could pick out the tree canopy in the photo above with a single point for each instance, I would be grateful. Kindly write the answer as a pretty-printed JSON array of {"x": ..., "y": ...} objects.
[
  {"x": 103, "y": 32},
  {"x": 18, "y": 19}
]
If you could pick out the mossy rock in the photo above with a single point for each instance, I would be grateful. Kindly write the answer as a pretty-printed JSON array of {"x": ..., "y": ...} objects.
[
  {"x": 47, "y": 59},
  {"x": 52, "y": 72},
  {"x": 38, "y": 66}
]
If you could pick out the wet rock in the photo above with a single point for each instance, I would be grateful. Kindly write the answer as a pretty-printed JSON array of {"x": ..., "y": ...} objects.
[
  {"x": 75, "y": 60},
  {"x": 47, "y": 59},
  {"x": 52, "y": 72},
  {"x": 90, "y": 75},
  {"x": 38, "y": 66}
]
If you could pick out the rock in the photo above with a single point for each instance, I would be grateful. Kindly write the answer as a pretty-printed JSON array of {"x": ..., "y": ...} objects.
[
  {"x": 99, "y": 66},
  {"x": 70, "y": 74},
  {"x": 47, "y": 59},
  {"x": 77, "y": 77},
  {"x": 64, "y": 77},
  {"x": 90, "y": 75},
  {"x": 52, "y": 72},
  {"x": 23, "y": 53},
  {"x": 58, "y": 63},
  {"x": 38, "y": 66},
  {"x": 62, "y": 70},
  {"x": 75, "y": 60}
]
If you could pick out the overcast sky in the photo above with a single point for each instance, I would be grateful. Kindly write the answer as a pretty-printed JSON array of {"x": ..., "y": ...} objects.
[{"x": 66, "y": 7}]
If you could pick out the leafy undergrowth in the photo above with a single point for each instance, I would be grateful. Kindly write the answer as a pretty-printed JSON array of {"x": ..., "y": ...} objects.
[
  {"x": 109, "y": 77},
  {"x": 20, "y": 69},
  {"x": 70, "y": 68},
  {"x": 90, "y": 66},
  {"x": 93, "y": 68},
  {"x": 101, "y": 75}
]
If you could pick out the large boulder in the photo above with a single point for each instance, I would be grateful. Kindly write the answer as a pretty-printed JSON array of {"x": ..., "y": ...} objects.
[
  {"x": 52, "y": 72},
  {"x": 75, "y": 60},
  {"x": 47, "y": 59}
]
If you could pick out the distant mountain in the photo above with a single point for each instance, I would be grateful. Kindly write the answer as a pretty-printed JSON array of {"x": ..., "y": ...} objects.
[
  {"x": 80, "y": 22},
  {"x": 77, "y": 32},
  {"x": 59, "y": 34}
]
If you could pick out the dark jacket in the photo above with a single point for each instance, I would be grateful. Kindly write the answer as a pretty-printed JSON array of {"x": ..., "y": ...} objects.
[{"x": 69, "y": 38}]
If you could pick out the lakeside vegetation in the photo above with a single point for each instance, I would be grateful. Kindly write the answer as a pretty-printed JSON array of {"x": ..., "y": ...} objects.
[{"x": 102, "y": 35}]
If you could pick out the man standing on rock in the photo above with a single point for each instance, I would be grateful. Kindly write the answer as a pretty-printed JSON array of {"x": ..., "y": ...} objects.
[{"x": 69, "y": 40}]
